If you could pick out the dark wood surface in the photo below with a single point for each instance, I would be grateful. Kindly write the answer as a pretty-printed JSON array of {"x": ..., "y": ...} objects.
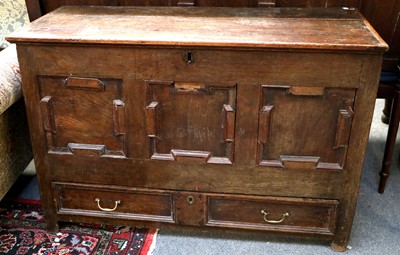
[
  {"x": 283, "y": 214},
  {"x": 40, "y": 7},
  {"x": 197, "y": 27},
  {"x": 191, "y": 126},
  {"x": 383, "y": 15}
]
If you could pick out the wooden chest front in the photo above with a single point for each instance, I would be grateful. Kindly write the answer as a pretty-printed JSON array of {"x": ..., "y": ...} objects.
[{"x": 212, "y": 118}]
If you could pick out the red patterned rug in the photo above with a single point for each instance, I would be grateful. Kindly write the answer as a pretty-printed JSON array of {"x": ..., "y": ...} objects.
[{"x": 22, "y": 231}]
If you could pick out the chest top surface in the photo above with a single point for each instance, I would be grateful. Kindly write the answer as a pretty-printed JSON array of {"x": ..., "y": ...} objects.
[{"x": 269, "y": 28}]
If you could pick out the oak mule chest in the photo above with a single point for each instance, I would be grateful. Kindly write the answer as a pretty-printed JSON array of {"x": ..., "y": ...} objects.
[{"x": 215, "y": 118}]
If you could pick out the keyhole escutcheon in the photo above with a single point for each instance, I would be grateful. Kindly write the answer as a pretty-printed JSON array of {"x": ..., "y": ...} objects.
[
  {"x": 189, "y": 57},
  {"x": 190, "y": 200}
]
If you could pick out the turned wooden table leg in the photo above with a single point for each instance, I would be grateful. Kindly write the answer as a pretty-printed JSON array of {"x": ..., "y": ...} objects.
[
  {"x": 391, "y": 139},
  {"x": 386, "y": 111}
]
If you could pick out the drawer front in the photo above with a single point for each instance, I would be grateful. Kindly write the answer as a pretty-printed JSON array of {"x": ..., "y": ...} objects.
[
  {"x": 104, "y": 201},
  {"x": 275, "y": 214}
]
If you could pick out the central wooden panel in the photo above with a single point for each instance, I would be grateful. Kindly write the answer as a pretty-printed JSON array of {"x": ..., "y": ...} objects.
[{"x": 191, "y": 121}]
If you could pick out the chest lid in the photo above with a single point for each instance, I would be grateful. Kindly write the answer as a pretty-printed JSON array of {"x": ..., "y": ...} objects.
[{"x": 262, "y": 28}]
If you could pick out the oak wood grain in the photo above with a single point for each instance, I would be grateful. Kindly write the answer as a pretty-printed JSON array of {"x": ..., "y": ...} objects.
[
  {"x": 196, "y": 27},
  {"x": 37, "y": 8},
  {"x": 318, "y": 216}
]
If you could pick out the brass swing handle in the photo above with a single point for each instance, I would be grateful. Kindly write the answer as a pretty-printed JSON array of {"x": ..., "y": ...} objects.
[
  {"x": 107, "y": 209},
  {"x": 284, "y": 216}
]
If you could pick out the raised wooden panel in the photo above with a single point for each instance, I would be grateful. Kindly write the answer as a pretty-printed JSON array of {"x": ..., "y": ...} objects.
[
  {"x": 228, "y": 123},
  {"x": 265, "y": 124},
  {"x": 343, "y": 128},
  {"x": 83, "y": 116},
  {"x": 46, "y": 105},
  {"x": 304, "y": 127},
  {"x": 119, "y": 117},
  {"x": 191, "y": 122},
  {"x": 84, "y": 83},
  {"x": 151, "y": 114},
  {"x": 87, "y": 149}
]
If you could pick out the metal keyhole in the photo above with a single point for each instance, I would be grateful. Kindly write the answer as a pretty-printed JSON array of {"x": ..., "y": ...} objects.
[
  {"x": 189, "y": 57},
  {"x": 190, "y": 200}
]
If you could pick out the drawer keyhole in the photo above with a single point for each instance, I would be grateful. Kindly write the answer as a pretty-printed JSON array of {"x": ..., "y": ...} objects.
[{"x": 190, "y": 200}]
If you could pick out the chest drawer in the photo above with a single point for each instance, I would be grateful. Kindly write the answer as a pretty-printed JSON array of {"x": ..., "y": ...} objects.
[
  {"x": 110, "y": 201},
  {"x": 276, "y": 214}
]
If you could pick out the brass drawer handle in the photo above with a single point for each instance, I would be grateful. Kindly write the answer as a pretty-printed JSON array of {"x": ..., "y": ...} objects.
[
  {"x": 284, "y": 216},
  {"x": 107, "y": 209}
]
